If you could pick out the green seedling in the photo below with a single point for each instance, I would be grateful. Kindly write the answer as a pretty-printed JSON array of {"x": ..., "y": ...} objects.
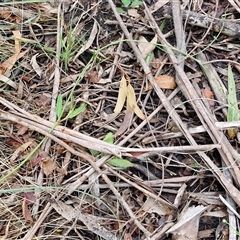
[
  {"x": 70, "y": 45},
  {"x": 114, "y": 161},
  {"x": 73, "y": 112},
  {"x": 226, "y": 222},
  {"x": 129, "y": 4}
]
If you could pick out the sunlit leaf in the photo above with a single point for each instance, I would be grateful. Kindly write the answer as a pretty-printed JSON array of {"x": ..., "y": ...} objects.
[
  {"x": 121, "y": 95},
  {"x": 119, "y": 162},
  {"x": 76, "y": 111},
  {"x": 94, "y": 152},
  {"x": 59, "y": 106},
  {"x": 109, "y": 138},
  {"x": 233, "y": 111},
  {"x": 120, "y": 10},
  {"x": 136, "y": 3},
  {"x": 126, "y": 3},
  {"x": 132, "y": 103}
]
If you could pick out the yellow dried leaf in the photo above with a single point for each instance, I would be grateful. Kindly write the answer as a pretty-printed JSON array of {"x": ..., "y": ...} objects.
[
  {"x": 132, "y": 103},
  {"x": 122, "y": 94},
  {"x": 9, "y": 63},
  {"x": 166, "y": 82}
]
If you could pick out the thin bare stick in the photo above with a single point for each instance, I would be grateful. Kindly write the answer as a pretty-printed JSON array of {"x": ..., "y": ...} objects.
[{"x": 96, "y": 144}]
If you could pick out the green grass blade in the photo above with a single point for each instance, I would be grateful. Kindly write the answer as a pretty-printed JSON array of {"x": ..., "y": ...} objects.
[
  {"x": 59, "y": 106},
  {"x": 119, "y": 162},
  {"x": 233, "y": 111}
]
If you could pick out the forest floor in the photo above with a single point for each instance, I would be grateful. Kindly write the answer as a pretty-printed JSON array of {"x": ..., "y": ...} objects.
[{"x": 119, "y": 119}]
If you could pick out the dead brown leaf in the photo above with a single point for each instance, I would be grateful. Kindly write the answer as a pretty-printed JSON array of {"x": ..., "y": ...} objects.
[
  {"x": 93, "y": 76},
  {"x": 42, "y": 100},
  {"x": 26, "y": 212},
  {"x": 9, "y": 63},
  {"x": 48, "y": 166},
  {"x": 125, "y": 124},
  {"x": 89, "y": 42},
  {"x": 19, "y": 150},
  {"x": 21, "y": 129},
  {"x": 7, "y": 80},
  {"x": 207, "y": 93},
  {"x": 166, "y": 82},
  {"x": 134, "y": 13},
  {"x": 188, "y": 223},
  {"x": 7, "y": 13}
]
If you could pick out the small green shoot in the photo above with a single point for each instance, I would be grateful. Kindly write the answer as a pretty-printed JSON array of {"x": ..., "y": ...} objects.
[
  {"x": 114, "y": 161},
  {"x": 163, "y": 24},
  {"x": 136, "y": 3},
  {"x": 74, "y": 112},
  {"x": 226, "y": 222},
  {"x": 129, "y": 4},
  {"x": 109, "y": 138},
  {"x": 149, "y": 58},
  {"x": 126, "y": 3},
  {"x": 70, "y": 45},
  {"x": 233, "y": 111},
  {"x": 59, "y": 106},
  {"x": 119, "y": 162}
]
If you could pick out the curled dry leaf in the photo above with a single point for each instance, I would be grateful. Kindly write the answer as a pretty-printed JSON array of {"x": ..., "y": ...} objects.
[
  {"x": 43, "y": 100},
  {"x": 8, "y": 81},
  {"x": 48, "y": 166},
  {"x": 20, "y": 150},
  {"x": 88, "y": 43},
  {"x": 35, "y": 65},
  {"x": 153, "y": 206},
  {"x": 9, "y": 63},
  {"x": 92, "y": 76},
  {"x": 125, "y": 124},
  {"x": 188, "y": 223},
  {"x": 122, "y": 94},
  {"x": 132, "y": 103},
  {"x": 146, "y": 47},
  {"x": 90, "y": 221}
]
